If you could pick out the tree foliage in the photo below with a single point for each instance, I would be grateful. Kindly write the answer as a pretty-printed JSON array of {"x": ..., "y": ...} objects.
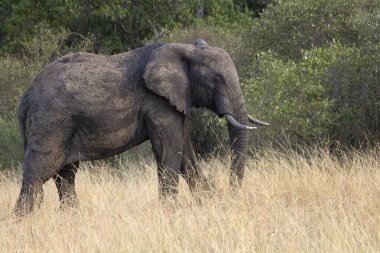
[
  {"x": 293, "y": 26},
  {"x": 117, "y": 25}
]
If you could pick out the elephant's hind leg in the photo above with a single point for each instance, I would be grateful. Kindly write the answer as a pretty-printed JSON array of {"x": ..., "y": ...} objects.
[
  {"x": 65, "y": 182},
  {"x": 37, "y": 169}
]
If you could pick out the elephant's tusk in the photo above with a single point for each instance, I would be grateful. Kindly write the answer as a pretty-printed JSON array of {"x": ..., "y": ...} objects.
[
  {"x": 257, "y": 122},
  {"x": 236, "y": 124}
]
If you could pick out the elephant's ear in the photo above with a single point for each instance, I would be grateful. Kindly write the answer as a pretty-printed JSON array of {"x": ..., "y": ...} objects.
[{"x": 167, "y": 74}]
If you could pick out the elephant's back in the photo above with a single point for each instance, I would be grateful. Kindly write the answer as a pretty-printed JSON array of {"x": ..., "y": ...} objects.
[
  {"x": 80, "y": 57},
  {"x": 82, "y": 71},
  {"x": 77, "y": 77}
]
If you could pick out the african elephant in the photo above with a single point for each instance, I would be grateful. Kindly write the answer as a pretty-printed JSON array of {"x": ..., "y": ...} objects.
[{"x": 85, "y": 106}]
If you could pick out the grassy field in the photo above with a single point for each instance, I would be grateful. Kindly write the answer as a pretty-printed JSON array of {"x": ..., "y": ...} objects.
[{"x": 289, "y": 203}]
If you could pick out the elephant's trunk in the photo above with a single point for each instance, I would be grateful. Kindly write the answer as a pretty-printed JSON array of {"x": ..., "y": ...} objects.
[
  {"x": 239, "y": 144},
  {"x": 232, "y": 107}
]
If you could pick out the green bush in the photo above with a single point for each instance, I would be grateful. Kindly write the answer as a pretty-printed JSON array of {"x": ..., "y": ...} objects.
[{"x": 331, "y": 95}]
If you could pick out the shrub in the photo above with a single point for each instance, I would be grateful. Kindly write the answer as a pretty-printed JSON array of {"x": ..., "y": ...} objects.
[{"x": 330, "y": 95}]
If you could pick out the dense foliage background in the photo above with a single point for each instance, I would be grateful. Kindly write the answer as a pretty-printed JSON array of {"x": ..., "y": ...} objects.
[{"x": 310, "y": 67}]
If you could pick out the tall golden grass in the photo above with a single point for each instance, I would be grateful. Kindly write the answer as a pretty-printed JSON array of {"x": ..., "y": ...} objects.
[{"x": 289, "y": 202}]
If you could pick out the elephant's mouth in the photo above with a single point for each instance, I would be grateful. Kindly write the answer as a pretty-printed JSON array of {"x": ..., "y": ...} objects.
[{"x": 223, "y": 109}]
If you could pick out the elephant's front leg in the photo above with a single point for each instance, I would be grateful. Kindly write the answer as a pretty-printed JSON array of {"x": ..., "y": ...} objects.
[{"x": 165, "y": 134}]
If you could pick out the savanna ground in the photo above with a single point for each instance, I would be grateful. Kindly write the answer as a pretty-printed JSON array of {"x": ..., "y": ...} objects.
[{"x": 310, "y": 202}]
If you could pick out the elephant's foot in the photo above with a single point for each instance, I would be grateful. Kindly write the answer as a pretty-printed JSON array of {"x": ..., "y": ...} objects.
[{"x": 29, "y": 198}]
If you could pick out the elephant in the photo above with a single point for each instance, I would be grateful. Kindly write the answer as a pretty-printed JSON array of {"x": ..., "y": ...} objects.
[{"x": 85, "y": 106}]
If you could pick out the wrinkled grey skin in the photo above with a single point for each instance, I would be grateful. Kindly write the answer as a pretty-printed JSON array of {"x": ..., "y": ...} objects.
[{"x": 86, "y": 107}]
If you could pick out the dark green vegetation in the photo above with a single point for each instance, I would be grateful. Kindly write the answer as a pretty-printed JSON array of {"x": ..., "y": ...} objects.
[{"x": 310, "y": 67}]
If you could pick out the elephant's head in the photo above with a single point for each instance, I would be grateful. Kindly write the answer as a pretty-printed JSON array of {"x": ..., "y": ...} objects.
[{"x": 203, "y": 76}]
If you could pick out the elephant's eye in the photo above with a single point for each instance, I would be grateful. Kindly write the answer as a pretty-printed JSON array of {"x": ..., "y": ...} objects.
[{"x": 218, "y": 79}]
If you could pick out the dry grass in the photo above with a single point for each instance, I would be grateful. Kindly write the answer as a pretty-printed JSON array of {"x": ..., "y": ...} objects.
[{"x": 288, "y": 203}]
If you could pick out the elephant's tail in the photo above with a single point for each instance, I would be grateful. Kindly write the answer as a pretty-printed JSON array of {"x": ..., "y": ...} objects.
[{"x": 22, "y": 117}]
